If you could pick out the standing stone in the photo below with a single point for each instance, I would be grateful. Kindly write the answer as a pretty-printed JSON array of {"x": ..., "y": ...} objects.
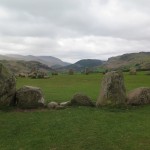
[
  {"x": 87, "y": 71},
  {"x": 7, "y": 87},
  {"x": 29, "y": 97},
  {"x": 70, "y": 72},
  {"x": 132, "y": 71},
  {"x": 112, "y": 90}
]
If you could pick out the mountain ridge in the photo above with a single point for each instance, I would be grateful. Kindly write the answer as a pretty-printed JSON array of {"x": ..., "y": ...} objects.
[
  {"x": 82, "y": 64},
  {"x": 139, "y": 60},
  {"x": 47, "y": 60},
  {"x": 21, "y": 66}
]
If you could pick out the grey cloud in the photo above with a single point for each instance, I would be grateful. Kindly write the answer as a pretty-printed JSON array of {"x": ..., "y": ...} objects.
[
  {"x": 86, "y": 17},
  {"x": 74, "y": 28}
]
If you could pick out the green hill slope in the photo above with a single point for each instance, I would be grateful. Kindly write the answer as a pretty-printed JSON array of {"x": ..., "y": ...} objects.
[
  {"x": 19, "y": 66},
  {"x": 139, "y": 60},
  {"x": 84, "y": 63}
]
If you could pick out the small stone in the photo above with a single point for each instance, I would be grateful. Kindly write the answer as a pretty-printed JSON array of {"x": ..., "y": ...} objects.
[
  {"x": 65, "y": 103},
  {"x": 52, "y": 105}
]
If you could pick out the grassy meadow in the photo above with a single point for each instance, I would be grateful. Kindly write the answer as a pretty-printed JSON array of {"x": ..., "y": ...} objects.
[{"x": 77, "y": 128}]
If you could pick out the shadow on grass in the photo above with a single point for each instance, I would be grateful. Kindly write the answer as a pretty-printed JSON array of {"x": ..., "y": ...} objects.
[
  {"x": 114, "y": 109},
  {"x": 122, "y": 108},
  {"x": 6, "y": 108}
]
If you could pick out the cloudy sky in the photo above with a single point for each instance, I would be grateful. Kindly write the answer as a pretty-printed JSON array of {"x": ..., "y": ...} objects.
[{"x": 74, "y": 29}]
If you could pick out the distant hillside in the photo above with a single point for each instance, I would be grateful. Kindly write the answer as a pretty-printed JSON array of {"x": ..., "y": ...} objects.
[
  {"x": 20, "y": 63},
  {"x": 21, "y": 66},
  {"x": 82, "y": 64},
  {"x": 47, "y": 60},
  {"x": 139, "y": 60}
]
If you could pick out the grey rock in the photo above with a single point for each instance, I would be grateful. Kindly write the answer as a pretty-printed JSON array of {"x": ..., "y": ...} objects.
[
  {"x": 29, "y": 97},
  {"x": 64, "y": 104},
  {"x": 55, "y": 105},
  {"x": 7, "y": 87},
  {"x": 139, "y": 96},
  {"x": 81, "y": 100},
  {"x": 112, "y": 90},
  {"x": 52, "y": 105}
]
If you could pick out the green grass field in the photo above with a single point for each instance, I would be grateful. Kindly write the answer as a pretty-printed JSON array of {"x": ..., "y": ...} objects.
[{"x": 77, "y": 128}]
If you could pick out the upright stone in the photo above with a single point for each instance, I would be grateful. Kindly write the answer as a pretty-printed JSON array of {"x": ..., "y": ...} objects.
[
  {"x": 112, "y": 90},
  {"x": 7, "y": 87},
  {"x": 132, "y": 71},
  {"x": 70, "y": 72}
]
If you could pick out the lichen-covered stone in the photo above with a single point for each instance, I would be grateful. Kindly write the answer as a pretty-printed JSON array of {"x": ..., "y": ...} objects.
[
  {"x": 7, "y": 87},
  {"x": 139, "y": 96},
  {"x": 29, "y": 97},
  {"x": 112, "y": 90},
  {"x": 81, "y": 100}
]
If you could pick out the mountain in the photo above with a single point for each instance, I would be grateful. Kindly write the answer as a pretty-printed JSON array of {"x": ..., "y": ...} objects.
[
  {"x": 52, "y": 61},
  {"x": 82, "y": 64},
  {"x": 139, "y": 60},
  {"x": 47, "y": 60},
  {"x": 21, "y": 66},
  {"x": 4, "y": 57}
]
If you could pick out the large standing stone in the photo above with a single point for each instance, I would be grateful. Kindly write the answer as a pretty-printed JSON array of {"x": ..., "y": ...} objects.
[
  {"x": 112, "y": 89},
  {"x": 29, "y": 97},
  {"x": 139, "y": 96},
  {"x": 7, "y": 87}
]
